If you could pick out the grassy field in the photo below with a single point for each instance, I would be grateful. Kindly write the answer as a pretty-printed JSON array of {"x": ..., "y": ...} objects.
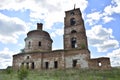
[{"x": 69, "y": 74}]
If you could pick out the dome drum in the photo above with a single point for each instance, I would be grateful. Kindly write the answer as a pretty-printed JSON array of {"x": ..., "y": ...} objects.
[{"x": 38, "y": 40}]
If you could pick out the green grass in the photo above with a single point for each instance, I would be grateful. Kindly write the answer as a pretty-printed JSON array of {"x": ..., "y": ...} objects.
[{"x": 69, "y": 74}]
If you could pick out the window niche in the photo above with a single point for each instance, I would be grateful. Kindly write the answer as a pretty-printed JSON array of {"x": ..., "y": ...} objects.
[
  {"x": 28, "y": 57},
  {"x": 74, "y": 63},
  {"x": 46, "y": 65},
  {"x": 99, "y": 63},
  {"x": 32, "y": 65},
  {"x": 72, "y": 13},
  {"x": 39, "y": 43},
  {"x": 55, "y": 64},
  {"x": 73, "y": 43},
  {"x": 27, "y": 65},
  {"x": 22, "y": 64},
  {"x": 73, "y": 31},
  {"x": 29, "y": 44},
  {"x": 72, "y": 21}
]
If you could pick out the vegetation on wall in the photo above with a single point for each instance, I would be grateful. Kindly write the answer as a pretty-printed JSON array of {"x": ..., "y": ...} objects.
[{"x": 83, "y": 46}]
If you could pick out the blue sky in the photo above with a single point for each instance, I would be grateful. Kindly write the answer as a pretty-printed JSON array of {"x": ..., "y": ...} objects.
[{"x": 101, "y": 19}]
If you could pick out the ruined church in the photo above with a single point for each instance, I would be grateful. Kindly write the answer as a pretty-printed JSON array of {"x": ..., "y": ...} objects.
[{"x": 38, "y": 53}]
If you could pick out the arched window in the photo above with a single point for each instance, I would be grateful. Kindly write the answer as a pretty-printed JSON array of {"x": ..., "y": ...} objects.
[
  {"x": 72, "y": 13},
  {"x": 73, "y": 31},
  {"x": 29, "y": 44},
  {"x": 22, "y": 64},
  {"x": 28, "y": 57},
  {"x": 72, "y": 21},
  {"x": 73, "y": 43}
]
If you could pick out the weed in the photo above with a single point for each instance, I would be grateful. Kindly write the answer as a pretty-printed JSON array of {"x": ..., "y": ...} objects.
[{"x": 22, "y": 73}]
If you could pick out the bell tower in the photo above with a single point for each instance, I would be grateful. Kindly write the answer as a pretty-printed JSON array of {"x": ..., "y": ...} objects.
[{"x": 74, "y": 30}]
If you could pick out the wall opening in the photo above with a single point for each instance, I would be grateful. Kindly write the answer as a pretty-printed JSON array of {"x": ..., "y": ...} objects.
[
  {"x": 74, "y": 63},
  {"x": 22, "y": 64},
  {"x": 28, "y": 57},
  {"x": 99, "y": 63},
  {"x": 55, "y": 64},
  {"x": 32, "y": 65},
  {"x": 27, "y": 65},
  {"x": 39, "y": 44},
  {"x": 73, "y": 31},
  {"x": 72, "y": 13},
  {"x": 29, "y": 44},
  {"x": 72, "y": 21},
  {"x": 46, "y": 65},
  {"x": 73, "y": 43}
]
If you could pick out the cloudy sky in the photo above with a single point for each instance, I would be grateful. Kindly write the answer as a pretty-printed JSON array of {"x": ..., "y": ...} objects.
[{"x": 101, "y": 19}]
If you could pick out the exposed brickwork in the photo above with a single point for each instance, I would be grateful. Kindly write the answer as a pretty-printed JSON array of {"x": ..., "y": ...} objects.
[
  {"x": 78, "y": 26},
  {"x": 64, "y": 59},
  {"x": 38, "y": 52},
  {"x": 38, "y": 40},
  {"x": 100, "y": 63}
]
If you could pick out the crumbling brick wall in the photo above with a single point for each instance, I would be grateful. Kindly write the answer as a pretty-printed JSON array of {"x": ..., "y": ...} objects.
[
  {"x": 100, "y": 63},
  {"x": 59, "y": 59}
]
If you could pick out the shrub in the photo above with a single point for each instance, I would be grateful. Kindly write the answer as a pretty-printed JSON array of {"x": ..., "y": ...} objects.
[
  {"x": 22, "y": 73},
  {"x": 9, "y": 70}
]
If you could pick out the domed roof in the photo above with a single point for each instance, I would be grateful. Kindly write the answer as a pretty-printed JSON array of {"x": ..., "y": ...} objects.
[{"x": 39, "y": 33}]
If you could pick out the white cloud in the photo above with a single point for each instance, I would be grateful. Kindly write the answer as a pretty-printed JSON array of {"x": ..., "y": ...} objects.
[
  {"x": 101, "y": 38},
  {"x": 107, "y": 19},
  {"x": 114, "y": 7},
  {"x": 98, "y": 36},
  {"x": 93, "y": 18},
  {"x": 94, "y": 15},
  {"x": 108, "y": 44},
  {"x": 11, "y": 28},
  {"x": 115, "y": 57},
  {"x": 105, "y": 15},
  {"x": 51, "y": 11},
  {"x": 108, "y": 10},
  {"x": 57, "y": 32},
  {"x": 6, "y": 58}
]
